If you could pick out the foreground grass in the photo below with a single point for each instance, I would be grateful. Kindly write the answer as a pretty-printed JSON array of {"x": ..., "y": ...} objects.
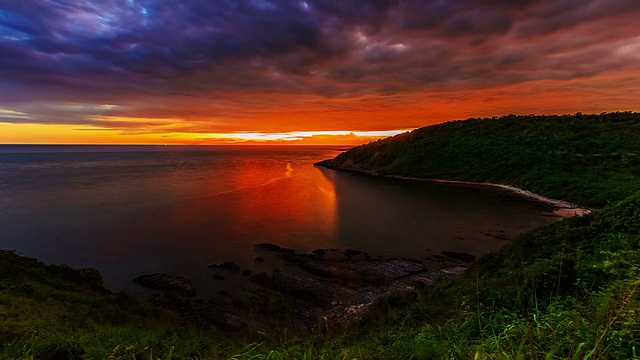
[{"x": 564, "y": 291}]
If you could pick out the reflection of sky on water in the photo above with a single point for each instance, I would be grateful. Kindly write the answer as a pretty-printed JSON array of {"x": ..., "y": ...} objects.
[{"x": 130, "y": 213}]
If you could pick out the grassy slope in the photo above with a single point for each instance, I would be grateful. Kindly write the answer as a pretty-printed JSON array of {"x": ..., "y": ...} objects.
[{"x": 569, "y": 290}]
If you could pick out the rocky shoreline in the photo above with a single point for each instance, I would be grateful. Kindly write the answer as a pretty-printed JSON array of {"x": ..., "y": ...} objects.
[
  {"x": 557, "y": 207},
  {"x": 327, "y": 285}
]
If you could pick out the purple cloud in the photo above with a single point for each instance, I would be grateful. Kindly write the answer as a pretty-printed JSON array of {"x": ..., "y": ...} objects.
[{"x": 130, "y": 52}]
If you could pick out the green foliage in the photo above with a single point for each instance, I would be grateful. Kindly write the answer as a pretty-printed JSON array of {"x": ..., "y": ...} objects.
[{"x": 587, "y": 159}]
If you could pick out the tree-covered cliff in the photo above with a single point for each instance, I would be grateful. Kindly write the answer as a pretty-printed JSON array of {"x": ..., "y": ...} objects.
[{"x": 591, "y": 160}]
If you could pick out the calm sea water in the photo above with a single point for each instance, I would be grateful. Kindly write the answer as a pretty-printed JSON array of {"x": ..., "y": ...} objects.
[{"x": 132, "y": 210}]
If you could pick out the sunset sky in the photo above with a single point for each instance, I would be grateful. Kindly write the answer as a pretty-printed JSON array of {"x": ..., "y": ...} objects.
[{"x": 304, "y": 72}]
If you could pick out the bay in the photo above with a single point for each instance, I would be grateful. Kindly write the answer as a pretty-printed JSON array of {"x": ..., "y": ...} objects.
[{"x": 132, "y": 210}]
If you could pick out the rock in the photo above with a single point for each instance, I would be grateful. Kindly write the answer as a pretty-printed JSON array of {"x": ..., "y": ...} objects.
[
  {"x": 359, "y": 272},
  {"x": 327, "y": 284},
  {"x": 305, "y": 287},
  {"x": 464, "y": 257},
  {"x": 320, "y": 252},
  {"x": 274, "y": 248},
  {"x": 351, "y": 252},
  {"x": 453, "y": 271},
  {"x": 226, "y": 266},
  {"x": 221, "y": 314},
  {"x": 218, "y": 277},
  {"x": 298, "y": 286},
  {"x": 87, "y": 277},
  {"x": 166, "y": 282},
  {"x": 330, "y": 255},
  {"x": 261, "y": 279},
  {"x": 259, "y": 259}
]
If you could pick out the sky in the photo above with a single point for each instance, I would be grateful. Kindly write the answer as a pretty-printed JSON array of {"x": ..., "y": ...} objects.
[{"x": 303, "y": 72}]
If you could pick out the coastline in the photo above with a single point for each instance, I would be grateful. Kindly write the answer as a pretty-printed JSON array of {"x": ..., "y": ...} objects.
[{"x": 561, "y": 208}]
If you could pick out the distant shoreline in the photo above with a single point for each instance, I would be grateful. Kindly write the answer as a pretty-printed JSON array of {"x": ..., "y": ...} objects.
[{"x": 562, "y": 208}]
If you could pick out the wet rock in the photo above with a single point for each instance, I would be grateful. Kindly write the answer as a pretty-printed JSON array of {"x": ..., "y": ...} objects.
[
  {"x": 274, "y": 248},
  {"x": 166, "y": 282},
  {"x": 464, "y": 257},
  {"x": 226, "y": 266}
]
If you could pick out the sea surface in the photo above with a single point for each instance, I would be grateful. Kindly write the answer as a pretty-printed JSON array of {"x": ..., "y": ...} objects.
[{"x": 133, "y": 210}]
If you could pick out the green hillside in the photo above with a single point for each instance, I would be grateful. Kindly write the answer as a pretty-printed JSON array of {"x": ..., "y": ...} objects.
[{"x": 591, "y": 160}]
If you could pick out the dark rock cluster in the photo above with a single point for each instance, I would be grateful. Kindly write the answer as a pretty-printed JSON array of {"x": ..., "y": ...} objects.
[{"x": 331, "y": 284}]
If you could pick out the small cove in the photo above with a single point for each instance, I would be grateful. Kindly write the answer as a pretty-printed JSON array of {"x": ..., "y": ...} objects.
[{"x": 129, "y": 211}]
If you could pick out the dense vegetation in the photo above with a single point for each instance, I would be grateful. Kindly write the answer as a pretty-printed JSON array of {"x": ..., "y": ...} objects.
[
  {"x": 591, "y": 160},
  {"x": 568, "y": 290}
]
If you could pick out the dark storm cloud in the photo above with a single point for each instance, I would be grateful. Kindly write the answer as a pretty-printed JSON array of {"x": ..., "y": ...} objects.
[
  {"x": 163, "y": 52},
  {"x": 562, "y": 14}
]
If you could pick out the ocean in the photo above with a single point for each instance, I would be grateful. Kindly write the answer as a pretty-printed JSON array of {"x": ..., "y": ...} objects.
[{"x": 133, "y": 210}]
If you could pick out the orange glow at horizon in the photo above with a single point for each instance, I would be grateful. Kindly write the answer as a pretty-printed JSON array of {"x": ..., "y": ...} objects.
[
  {"x": 299, "y": 119},
  {"x": 66, "y": 134}
]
